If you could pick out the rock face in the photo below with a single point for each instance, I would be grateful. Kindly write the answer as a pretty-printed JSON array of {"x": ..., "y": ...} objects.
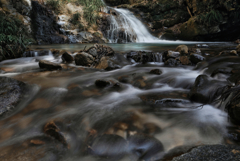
[
  {"x": 212, "y": 152},
  {"x": 11, "y": 92},
  {"x": 45, "y": 27},
  {"x": 205, "y": 90},
  {"x": 84, "y": 59},
  {"x": 44, "y": 64}
]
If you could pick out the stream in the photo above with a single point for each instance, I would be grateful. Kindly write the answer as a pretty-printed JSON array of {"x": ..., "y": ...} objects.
[{"x": 137, "y": 116}]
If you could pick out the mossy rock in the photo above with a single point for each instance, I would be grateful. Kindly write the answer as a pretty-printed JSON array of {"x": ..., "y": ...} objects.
[{"x": 191, "y": 29}]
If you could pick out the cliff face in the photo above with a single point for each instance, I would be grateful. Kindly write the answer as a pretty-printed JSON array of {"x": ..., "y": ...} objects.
[{"x": 204, "y": 20}]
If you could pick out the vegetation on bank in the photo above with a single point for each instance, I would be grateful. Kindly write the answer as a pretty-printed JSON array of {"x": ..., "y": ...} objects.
[
  {"x": 14, "y": 37},
  {"x": 90, "y": 9}
]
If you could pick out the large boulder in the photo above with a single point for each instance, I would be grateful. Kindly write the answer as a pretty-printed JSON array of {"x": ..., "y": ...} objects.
[
  {"x": 84, "y": 59},
  {"x": 205, "y": 89},
  {"x": 44, "y": 64},
  {"x": 11, "y": 92},
  {"x": 67, "y": 57},
  {"x": 182, "y": 49},
  {"x": 212, "y": 152}
]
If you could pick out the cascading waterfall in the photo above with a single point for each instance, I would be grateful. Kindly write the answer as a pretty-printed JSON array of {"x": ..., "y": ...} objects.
[{"x": 128, "y": 28}]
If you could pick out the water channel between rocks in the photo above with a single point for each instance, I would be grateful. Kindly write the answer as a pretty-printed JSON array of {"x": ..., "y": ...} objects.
[{"x": 155, "y": 107}]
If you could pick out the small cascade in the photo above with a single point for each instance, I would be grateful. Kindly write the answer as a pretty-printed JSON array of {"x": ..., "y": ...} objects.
[{"x": 125, "y": 27}]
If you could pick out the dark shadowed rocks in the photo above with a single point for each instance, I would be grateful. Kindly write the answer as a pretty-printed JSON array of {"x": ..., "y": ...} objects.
[
  {"x": 67, "y": 57},
  {"x": 102, "y": 83},
  {"x": 84, "y": 59},
  {"x": 156, "y": 72},
  {"x": 44, "y": 64},
  {"x": 196, "y": 58}
]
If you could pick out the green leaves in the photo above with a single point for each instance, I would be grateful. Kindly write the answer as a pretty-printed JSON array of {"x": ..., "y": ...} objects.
[
  {"x": 209, "y": 18},
  {"x": 13, "y": 36}
]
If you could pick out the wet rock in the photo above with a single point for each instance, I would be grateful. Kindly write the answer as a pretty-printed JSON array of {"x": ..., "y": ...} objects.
[
  {"x": 205, "y": 90},
  {"x": 44, "y": 64},
  {"x": 102, "y": 83},
  {"x": 103, "y": 50},
  {"x": 212, "y": 152},
  {"x": 67, "y": 57},
  {"x": 238, "y": 48},
  {"x": 172, "y": 54},
  {"x": 145, "y": 147},
  {"x": 62, "y": 133},
  {"x": 126, "y": 78},
  {"x": 144, "y": 57},
  {"x": 108, "y": 146},
  {"x": 221, "y": 70},
  {"x": 92, "y": 51},
  {"x": 184, "y": 60},
  {"x": 196, "y": 58},
  {"x": 237, "y": 41},
  {"x": 84, "y": 59},
  {"x": 172, "y": 62},
  {"x": 228, "y": 53},
  {"x": 182, "y": 49},
  {"x": 156, "y": 72},
  {"x": 107, "y": 64},
  {"x": 11, "y": 92}
]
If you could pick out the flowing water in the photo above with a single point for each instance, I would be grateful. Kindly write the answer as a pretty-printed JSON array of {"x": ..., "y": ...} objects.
[{"x": 154, "y": 109}]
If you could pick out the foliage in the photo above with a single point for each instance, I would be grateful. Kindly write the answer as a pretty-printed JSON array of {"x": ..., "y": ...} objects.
[
  {"x": 55, "y": 5},
  {"x": 75, "y": 18},
  {"x": 212, "y": 17},
  {"x": 14, "y": 38}
]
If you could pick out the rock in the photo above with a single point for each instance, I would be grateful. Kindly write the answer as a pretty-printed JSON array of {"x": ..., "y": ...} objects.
[
  {"x": 104, "y": 50},
  {"x": 182, "y": 49},
  {"x": 108, "y": 146},
  {"x": 107, "y": 64},
  {"x": 67, "y": 57},
  {"x": 44, "y": 64},
  {"x": 156, "y": 72},
  {"x": 84, "y": 59},
  {"x": 221, "y": 70},
  {"x": 126, "y": 78},
  {"x": 233, "y": 52},
  {"x": 93, "y": 51},
  {"x": 205, "y": 90},
  {"x": 184, "y": 60},
  {"x": 238, "y": 48},
  {"x": 62, "y": 133},
  {"x": 171, "y": 62},
  {"x": 212, "y": 152},
  {"x": 172, "y": 54},
  {"x": 11, "y": 92},
  {"x": 196, "y": 58},
  {"x": 227, "y": 53},
  {"x": 237, "y": 41},
  {"x": 102, "y": 83},
  {"x": 147, "y": 148}
]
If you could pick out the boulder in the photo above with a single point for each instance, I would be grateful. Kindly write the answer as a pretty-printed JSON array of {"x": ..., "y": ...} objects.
[
  {"x": 238, "y": 48},
  {"x": 196, "y": 58},
  {"x": 84, "y": 59},
  {"x": 172, "y": 54},
  {"x": 184, "y": 60},
  {"x": 92, "y": 51},
  {"x": 11, "y": 92},
  {"x": 44, "y": 64},
  {"x": 205, "y": 90},
  {"x": 104, "y": 50},
  {"x": 212, "y": 152},
  {"x": 172, "y": 62},
  {"x": 156, "y": 72},
  {"x": 67, "y": 57},
  {"x": 102, "y": 83},
  {"x": 107, "y": 64},
  {"x": 182, "y": 49}
]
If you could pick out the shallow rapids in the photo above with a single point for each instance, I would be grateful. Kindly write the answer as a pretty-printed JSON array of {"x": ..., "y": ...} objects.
[{"x": 154, "y": 107}]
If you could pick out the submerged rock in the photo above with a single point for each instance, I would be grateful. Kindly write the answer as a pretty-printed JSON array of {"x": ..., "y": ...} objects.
[
  {"x": 184, "y": 60},
  {"x": 205, "y": 90},
  {"x": 102, "y": 83},
  {"x": 107, "y": 64},
  {"x": 84, "y": 59},
  {"x": 11, "y": 92},
  {"x": 212, "y": 152},
  {"x": 172, "y": 62},
  {"x": 156, "y": 72}
]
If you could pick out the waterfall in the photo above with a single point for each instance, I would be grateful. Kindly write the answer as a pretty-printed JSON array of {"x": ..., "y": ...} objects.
[{"x": 125, "y": 27}]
